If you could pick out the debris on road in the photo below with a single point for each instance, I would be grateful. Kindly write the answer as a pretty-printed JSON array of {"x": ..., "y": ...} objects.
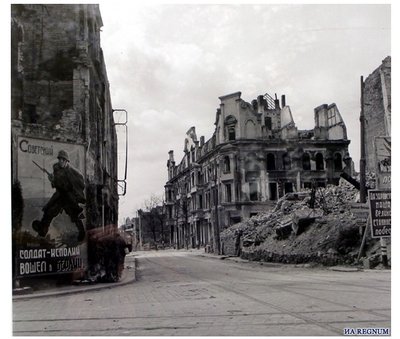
[{"x": 293, "y": 232}]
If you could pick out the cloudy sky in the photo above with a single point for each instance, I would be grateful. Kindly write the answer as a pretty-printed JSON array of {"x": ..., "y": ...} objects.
[{"x": 168, "y": 64}]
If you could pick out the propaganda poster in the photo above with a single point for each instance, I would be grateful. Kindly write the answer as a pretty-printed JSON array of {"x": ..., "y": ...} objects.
[
  {"x": 50, "y": 238},
  {"x": 383, "y": 155}
]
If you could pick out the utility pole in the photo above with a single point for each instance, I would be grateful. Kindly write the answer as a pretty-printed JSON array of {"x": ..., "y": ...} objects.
[
  {"x": 363, "y": 190},
  {"x": 217, "y": 247},
  {"x": 140, "y": 230}
]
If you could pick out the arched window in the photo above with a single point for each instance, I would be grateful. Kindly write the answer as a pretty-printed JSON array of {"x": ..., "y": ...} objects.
[
  {"x": 306, "y": 162},
  {"x": 227, "y": 164},
  {"x": 230, "y": 125},
  {"x": 270, "y": 162},
  {"x": 319, "y": 161},
  {"x": 337, "y": 161},
  {"x": 287, "y": 164},
  {"x": 231, "y": 133}
]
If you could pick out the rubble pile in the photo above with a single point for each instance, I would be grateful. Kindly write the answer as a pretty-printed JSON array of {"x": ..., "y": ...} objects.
[{"x": 326, "y": 233}]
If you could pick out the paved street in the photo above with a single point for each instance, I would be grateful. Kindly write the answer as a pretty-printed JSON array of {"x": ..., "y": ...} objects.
[{"x": 184, "y": 293}]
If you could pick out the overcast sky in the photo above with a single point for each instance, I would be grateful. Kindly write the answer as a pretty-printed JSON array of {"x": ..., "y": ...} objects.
[{"x": 168, "y": 64}]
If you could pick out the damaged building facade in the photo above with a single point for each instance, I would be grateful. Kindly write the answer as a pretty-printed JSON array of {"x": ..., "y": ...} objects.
[
  {"x": 255, "y": 156},
  {"x": 377, "y": 109},
  {"x": 61, "y": 108}
]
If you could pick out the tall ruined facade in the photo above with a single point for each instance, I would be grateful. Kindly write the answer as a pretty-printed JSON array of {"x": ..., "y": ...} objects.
[
  {"x": 255, "y": 156},
  {"x": 60, "y": 102},
  {"x": 377, "y": 108}
]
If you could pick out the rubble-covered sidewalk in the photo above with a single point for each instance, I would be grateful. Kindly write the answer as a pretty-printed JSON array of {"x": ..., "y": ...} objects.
[{"x": 328, "y": 234}]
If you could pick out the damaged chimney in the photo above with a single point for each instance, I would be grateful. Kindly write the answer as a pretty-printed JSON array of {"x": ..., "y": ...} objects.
[
  {"x": 171, "y": 156},
  {"x": 276, "y": 101}
]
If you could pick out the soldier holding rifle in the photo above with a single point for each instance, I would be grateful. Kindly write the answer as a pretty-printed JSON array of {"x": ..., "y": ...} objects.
[{"x": 69, "y": 184}]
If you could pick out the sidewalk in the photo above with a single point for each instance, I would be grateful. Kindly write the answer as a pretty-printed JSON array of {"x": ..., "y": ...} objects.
[{"x": 128, "y": 276}]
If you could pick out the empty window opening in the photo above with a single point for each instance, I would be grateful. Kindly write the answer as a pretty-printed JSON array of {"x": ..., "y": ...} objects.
[
  {"x": 228, "y": 193},
  {"x": 287, "y": 164},
  {"x": 231, "y": 133},
  {"x": 273, "y": 191},
  {"x": 253, "y": 191},
  {"x": 227, "y": 164},
  {"x": 235, "y": 220},
  {"x": 268, "y": 123},
  {"x": 288, "y": 187},
  {"x": 319, "y": 161},
  {"x": 307, "y": 185},
  {"x": 270, "y": 162},
  {"x": 306, "y": 162},
  {"x": 337, "y": 160}
]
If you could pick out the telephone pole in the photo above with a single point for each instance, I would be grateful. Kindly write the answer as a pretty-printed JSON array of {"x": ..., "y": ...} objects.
[{"x": 363, "y": 190}]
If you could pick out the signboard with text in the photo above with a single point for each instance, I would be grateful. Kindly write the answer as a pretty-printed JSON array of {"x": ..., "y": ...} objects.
[
  {"x": 49, "y": 237},
  {"x": 383, "y": 147},
  {"x": 380, "y": 213}
]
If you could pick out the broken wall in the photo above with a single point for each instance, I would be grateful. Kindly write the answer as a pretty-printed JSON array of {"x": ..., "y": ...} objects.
[
  {"x": 329, "y": 123},
  {"x": 60, "y": 93},
  {"x": 377, "y": 107}
]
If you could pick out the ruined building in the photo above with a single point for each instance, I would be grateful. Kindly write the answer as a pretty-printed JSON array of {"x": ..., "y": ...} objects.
[
  {"x": 377, "y": 108},
  {"x": 255, "y": 156},
  {"x": 60, "y": 103},
  {"x": 152, "y": 230}
]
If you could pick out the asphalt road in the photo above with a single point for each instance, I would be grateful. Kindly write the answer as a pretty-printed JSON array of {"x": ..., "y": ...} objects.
[{"x": 186, "y": 294}]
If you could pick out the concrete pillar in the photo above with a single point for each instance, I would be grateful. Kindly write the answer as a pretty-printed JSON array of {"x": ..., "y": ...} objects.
[
  {"x": 298, "y": 181},
  {"x": 263, "y": 185}
]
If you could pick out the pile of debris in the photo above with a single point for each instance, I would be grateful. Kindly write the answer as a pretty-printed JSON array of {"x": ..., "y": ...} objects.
[{"x": 315, "y": 226}]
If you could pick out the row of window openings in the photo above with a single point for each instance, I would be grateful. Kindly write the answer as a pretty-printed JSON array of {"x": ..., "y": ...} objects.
[
  {"x": 271, "y": 166},
  {"x": 232, "y": 130},
  {"x": 273, "y": 190},
  {"x": 306, "y": 162},
  {"x": 286, "y": 160},
  {"x": 253, "y": 190},
  {"x": 254, "y": 194},
  {"x": 286, "y": 164},
  {"x": 232, "y": 135}
]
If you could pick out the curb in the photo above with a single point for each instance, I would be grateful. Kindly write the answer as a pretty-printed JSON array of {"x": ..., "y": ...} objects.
[
  {"x": 82, "y": 289},
  {"x": 345, "y": 269}
]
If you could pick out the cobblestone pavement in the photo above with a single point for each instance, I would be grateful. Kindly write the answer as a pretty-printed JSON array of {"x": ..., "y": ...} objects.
[{"x": 186, "y": 294}]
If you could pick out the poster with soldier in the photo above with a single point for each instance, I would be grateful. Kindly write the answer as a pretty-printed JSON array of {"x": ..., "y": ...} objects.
[{"x": 51, "y": 234}]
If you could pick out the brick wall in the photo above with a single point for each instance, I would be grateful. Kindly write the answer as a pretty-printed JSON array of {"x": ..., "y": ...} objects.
[{"x": 374, "y": 109}]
